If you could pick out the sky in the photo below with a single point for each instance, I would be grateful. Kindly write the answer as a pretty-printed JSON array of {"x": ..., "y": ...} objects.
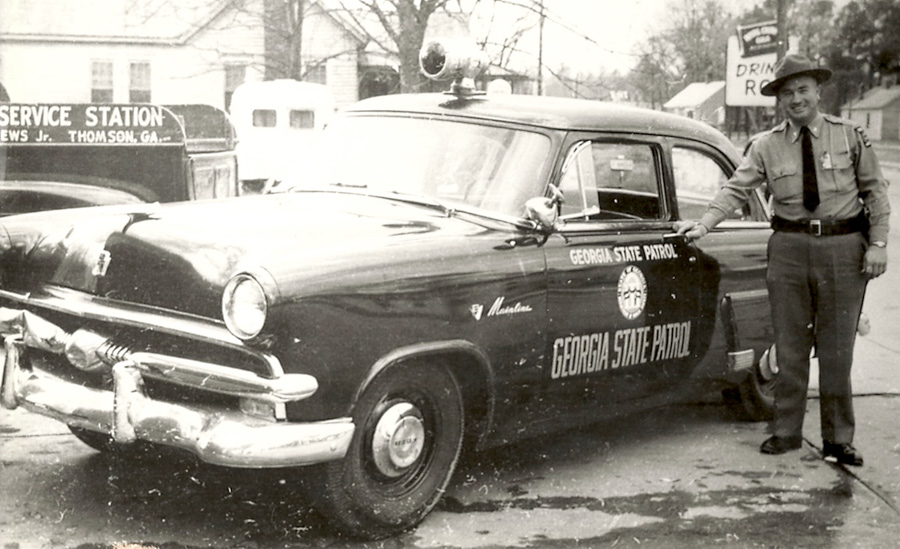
[{"x": 616, "y": 27}]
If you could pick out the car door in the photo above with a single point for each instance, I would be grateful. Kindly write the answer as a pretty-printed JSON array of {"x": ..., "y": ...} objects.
[
  {"x": 623, "y": 292},
  {"x": 734, "y": 252}
]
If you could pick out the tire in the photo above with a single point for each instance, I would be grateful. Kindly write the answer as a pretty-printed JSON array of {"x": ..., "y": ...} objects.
[
  {"x": 409, "y": 432},
  {"x": 754, "y": 398}
]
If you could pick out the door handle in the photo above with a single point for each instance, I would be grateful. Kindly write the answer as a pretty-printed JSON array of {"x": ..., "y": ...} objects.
[{"x": 668, "y": 237}]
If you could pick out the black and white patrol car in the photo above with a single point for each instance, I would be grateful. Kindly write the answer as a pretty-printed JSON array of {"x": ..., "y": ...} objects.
[{"x": 457, "y": 270}]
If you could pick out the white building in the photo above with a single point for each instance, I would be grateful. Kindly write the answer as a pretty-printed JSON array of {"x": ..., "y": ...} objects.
[
  {"x": 878, "y": 112},
  {"x": 189, "y": 51},
  {"x": 704, "y": 101},
  {"x": 186, "y": 51}
]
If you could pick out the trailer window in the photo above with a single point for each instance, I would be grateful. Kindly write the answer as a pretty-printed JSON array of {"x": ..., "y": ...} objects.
[
  {"x": 264, "y": 118},
  {"x": 303, "y": 120}
]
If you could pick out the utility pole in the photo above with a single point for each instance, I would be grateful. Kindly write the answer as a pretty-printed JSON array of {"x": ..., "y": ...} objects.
[
  {"x": 540, "y": 67},
  {"x": 781, "y": 19}
]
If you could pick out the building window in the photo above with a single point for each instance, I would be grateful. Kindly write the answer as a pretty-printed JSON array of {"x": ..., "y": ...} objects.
[
  {"x": 316, "y": 74},
  {"x": 139, "y": 83},
  {"x": 101, "y": 82},
  {"x": 234, "y": 77}
]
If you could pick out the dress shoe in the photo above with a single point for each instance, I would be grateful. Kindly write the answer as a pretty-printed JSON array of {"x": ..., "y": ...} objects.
[
  {"x": 780, "y": 445},
  {"x": 843, "y": 453}
]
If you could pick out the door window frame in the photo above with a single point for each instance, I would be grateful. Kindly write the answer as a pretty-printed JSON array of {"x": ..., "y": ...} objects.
[
  {"x": 756, "y": 210},
  {"x": 658, "y": 147}
]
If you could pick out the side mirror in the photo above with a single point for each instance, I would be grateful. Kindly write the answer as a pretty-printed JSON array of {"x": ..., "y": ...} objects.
[{"x": 545, "y": 211}]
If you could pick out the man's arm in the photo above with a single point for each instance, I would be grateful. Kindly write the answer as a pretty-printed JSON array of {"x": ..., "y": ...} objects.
[
  {"x": 734, "y": 194},
  {"x": 873, "y": 189}
]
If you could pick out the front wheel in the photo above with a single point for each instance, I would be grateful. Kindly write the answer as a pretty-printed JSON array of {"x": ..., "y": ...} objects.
[
  {"x": 754, "y": 398},
  {"x": 409, "y": 432}
]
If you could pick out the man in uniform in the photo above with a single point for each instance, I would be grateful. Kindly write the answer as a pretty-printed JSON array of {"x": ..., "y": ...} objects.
[{"x": 830, "y": 226}]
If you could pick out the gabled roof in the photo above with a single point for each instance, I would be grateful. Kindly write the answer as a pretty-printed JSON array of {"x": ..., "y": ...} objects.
[
  {"x": 112, "y": 21},
  {"x": 695, "y": 95},
  {"x": 876, "y": 98},
  {"x": 334, "y": 9}
]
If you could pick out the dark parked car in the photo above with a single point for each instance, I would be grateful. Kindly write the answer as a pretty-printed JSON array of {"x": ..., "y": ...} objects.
[
  {"x": 459, "y": 270},
  {"x": 59, "y": 156}
]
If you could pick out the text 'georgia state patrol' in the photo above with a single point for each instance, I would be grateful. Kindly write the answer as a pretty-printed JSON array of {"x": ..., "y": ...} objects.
[{"x": 586, "y": 354}]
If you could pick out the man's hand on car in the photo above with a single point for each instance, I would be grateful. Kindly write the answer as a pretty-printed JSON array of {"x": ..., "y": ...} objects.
[{"x": 690, "y": 229}]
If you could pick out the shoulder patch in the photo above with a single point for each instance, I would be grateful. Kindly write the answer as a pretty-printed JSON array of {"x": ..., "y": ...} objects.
[{"x": 862, "y": 136}]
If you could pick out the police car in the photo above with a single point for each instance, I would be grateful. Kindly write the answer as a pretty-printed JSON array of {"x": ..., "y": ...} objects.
[{"x": 459, "y": 271}]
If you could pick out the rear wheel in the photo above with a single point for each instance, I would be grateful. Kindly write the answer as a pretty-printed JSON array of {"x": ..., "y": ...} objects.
[
  {"x": 409, "y": 432},
  {"x": 754, "y": 398}
]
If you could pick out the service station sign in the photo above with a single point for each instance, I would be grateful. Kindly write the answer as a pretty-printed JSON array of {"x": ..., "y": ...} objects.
[{"x": 88, "y": 124}]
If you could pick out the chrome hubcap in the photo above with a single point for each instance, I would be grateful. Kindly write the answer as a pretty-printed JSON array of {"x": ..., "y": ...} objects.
[
  {"x": 398, "y": 439},
  {"x": 768, "y": 364}
]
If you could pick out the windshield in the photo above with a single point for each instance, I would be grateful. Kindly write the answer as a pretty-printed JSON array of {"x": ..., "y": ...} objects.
[{"x": 457, "y": 163}]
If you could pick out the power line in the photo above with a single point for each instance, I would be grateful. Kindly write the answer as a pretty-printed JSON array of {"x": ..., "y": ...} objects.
[{"x": 537, "y": 7}]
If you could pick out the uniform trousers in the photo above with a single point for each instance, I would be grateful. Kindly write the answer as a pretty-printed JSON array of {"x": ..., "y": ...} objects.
[{"x": 816, "y": 290}]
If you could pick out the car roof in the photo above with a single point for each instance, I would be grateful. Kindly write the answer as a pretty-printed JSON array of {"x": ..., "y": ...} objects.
[{"x": 549, "y": 112}]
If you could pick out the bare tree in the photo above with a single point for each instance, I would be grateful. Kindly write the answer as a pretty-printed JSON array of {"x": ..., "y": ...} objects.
[
  {"x": 283, "y": 22},
  {"x": 500, "y": 36},
  {"x": 812, "y": 22},
  {"x": 404, "y": 23},
  {"x": 698, "y": 35},
  {"x": 655, "y": 73}
]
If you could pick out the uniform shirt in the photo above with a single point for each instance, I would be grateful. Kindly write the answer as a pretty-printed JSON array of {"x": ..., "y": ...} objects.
[{"x": 847, "y": 171}]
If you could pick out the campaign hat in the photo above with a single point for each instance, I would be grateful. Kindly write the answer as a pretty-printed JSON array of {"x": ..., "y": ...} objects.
[{"x": 792, "y": 65}]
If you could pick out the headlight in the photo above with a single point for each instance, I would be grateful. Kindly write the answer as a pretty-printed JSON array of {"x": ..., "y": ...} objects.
[{"x": 244, "y": 306}]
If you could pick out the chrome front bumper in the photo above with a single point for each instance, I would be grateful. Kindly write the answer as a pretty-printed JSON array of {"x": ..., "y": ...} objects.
[{"x": 216, "y": 435}]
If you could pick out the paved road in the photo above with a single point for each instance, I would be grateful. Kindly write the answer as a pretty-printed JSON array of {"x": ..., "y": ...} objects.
[{"x": 685, "y": 476}]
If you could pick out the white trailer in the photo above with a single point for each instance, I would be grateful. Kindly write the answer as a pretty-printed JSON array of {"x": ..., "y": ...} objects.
[{"x": 278, "y": 122}]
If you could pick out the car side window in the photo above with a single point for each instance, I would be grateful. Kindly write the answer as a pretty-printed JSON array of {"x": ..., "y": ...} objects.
[
  {"x": 698, "y": 177},
  {"x": 610, "y": 181}
]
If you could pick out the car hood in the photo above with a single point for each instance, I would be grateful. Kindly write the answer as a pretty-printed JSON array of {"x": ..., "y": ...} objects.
[{"x": 180, "y": 256}]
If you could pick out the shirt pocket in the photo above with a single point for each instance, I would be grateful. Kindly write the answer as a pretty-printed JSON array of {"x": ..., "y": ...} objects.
[
  {"x": 786, "y": 182},
  {"x": 842, "y": 171}
]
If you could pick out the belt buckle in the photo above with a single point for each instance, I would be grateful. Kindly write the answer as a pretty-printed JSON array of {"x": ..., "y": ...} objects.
[{"x": 815, "y": 227}]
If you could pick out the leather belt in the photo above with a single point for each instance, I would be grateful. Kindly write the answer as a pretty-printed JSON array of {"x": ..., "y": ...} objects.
[{"x": 819, "y": 227}]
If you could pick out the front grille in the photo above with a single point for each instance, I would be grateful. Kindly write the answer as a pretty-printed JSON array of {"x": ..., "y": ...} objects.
[
  {"x": 59, "y": 367},
  {"x": 166, "y": 344},
  {"x": 149, "y": 340},
  {"x": 180, "y": 394}
]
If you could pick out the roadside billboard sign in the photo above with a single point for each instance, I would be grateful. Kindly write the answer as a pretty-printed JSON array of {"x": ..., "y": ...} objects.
[{"x": 750, "y": 65}]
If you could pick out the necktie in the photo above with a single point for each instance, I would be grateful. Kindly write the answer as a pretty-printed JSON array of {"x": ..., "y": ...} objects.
[{"x": 810, "y": 185}]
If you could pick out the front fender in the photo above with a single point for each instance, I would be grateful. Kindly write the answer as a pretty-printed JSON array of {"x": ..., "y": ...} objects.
[{"x": 468, "y": 363}]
